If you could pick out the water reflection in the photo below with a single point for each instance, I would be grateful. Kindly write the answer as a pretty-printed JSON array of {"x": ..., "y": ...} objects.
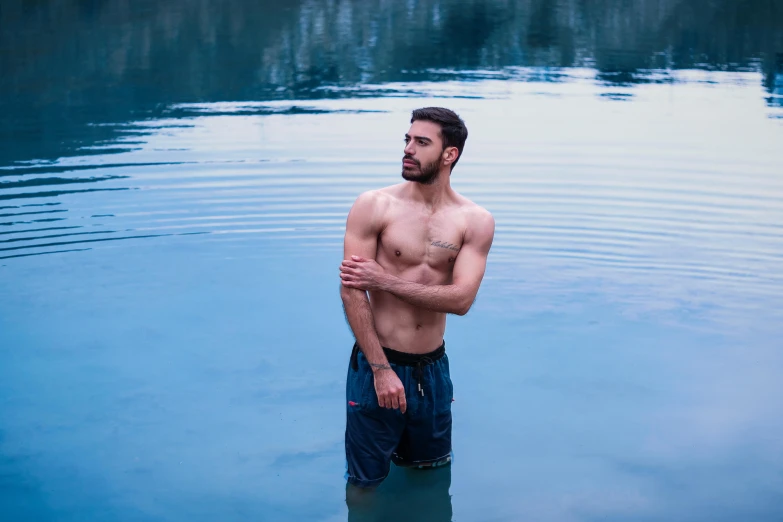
[
  {"x": 774, "y": 83},
  {"x": 406, "y": 494},
  {"x": 66, "y": 65}
]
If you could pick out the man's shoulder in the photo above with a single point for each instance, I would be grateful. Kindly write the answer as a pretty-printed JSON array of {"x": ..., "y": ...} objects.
[
  {"x": 473, "y": 210},
  {"x": 374, "y": 204},
  {"x": 391, "y": 191},
  {"x": 480, "y": 224},
  {"x": 480, "y": 212},
  {"x": 383, "y": 192},
  {"x": 376, "y": 197}
]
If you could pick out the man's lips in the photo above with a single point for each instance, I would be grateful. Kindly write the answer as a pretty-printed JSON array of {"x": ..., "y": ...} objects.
[{"x": 409, "y": 163}]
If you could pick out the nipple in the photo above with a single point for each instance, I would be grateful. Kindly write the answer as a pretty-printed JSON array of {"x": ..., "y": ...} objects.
[
  {"x": 397, "y": 253},
  {"x": 451, "y": 260}
]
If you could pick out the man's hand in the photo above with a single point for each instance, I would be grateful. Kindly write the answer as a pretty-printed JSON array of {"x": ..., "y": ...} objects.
[
  {"x": 390, "y": 391},
  {"x": 364, "y": 274}
]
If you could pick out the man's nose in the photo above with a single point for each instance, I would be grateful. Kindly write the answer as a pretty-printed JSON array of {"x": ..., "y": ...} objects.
[{"x": 409, "y": 148}]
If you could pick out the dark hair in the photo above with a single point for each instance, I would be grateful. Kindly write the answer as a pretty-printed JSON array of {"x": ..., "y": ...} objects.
[{"x": 452, "y": 129}]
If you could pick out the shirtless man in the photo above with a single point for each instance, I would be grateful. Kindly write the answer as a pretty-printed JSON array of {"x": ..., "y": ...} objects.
[{"x": 420, "y": 250}]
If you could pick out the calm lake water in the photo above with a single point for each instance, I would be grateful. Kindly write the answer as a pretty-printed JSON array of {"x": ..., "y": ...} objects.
[{"x": 174, "y": 182}]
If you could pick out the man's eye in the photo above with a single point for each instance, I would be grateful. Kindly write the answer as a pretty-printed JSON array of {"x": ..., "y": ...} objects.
[{"x": 422, "y": 142}]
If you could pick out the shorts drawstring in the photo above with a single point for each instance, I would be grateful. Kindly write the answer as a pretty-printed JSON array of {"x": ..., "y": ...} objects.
[{"x": 424, "y": 361}]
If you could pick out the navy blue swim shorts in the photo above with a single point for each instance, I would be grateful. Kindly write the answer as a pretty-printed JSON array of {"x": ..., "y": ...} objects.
[{"x": 376, "y": 436}]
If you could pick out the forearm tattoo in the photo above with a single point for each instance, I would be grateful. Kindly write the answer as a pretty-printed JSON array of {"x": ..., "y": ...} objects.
[{"x": 378, "y": 366}]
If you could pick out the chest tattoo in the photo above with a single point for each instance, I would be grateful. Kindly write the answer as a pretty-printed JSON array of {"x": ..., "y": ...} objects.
[{"x": 443, "y": 244}]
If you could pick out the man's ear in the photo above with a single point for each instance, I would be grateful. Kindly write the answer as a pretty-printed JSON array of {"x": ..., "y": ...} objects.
[{"x": 450, "y": 155}]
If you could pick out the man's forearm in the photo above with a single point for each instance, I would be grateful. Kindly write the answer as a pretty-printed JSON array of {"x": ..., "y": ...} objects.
[
  {"x": 450, "y": 299},
  {"x": 362, "y": 322}
]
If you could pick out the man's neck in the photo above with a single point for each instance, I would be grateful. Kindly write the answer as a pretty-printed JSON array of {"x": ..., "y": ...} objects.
[{"x": 434, "y": 194}]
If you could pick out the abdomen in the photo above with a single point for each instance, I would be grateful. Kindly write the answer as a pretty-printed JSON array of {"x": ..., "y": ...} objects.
[{"x": 404, "y": 327}]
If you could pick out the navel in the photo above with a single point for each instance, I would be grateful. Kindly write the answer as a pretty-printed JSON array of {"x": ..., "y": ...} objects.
[
  {"x": 451, "y": 260},
  {"x": 418, "y": 326}
]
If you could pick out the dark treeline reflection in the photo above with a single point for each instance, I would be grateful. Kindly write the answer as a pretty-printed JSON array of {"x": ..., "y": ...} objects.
[{"x": 66, "y": 63}]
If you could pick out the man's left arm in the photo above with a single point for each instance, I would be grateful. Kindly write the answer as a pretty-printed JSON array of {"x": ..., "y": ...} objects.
[{"x": 455, "y": 298}]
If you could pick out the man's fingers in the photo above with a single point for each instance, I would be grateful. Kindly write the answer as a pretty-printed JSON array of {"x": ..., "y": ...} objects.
[
  {"x": 403, "y": 402},
  {"x": 394, "y": 403},
  {"x": 358, "y": 258}
]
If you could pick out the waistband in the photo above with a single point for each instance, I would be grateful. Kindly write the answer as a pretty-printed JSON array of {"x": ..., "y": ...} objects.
[{"x": 404, "y": 358}]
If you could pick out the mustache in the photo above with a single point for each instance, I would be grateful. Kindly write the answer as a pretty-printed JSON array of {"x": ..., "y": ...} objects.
[{"x": 410, "y": 158}]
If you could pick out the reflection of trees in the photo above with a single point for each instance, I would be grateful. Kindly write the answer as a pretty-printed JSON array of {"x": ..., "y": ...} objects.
[
  {"x": 66, "y": 63},
  {"x": 69, "y": 61},
  {"x": 726, "y": 34},
  {"x": 773, "y": 80},
  {"x": 384, "y": 40}
]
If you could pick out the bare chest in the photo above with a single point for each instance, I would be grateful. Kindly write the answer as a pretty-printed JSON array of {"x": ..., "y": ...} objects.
[{"x": 428, "y": 241}]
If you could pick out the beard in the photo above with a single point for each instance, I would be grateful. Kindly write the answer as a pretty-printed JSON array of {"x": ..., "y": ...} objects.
[{"x": 425, "y": 175}]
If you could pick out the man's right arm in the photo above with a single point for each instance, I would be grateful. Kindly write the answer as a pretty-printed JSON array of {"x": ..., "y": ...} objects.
[{"x": 362, "y": 229}]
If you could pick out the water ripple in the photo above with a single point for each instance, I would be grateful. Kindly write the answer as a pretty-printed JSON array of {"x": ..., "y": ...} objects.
[
  {"x": 645, "y": 214},
  {"x": 52, "y": 193}
]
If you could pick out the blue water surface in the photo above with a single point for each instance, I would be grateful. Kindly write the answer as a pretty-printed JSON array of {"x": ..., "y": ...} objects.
[{"x": 174, "y": 182}]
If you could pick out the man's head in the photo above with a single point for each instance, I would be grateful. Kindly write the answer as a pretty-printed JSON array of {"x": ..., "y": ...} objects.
[{"x": 435, "y": 141}]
